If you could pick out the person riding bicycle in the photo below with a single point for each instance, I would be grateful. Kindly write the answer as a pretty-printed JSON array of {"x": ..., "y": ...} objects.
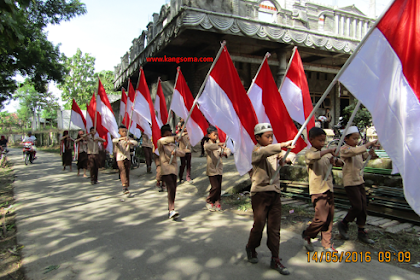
[{"x": 32, "y": 139}]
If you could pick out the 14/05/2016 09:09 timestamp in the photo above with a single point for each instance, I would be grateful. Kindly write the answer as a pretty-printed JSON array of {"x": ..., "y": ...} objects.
[{"x": 352, "y": 256}]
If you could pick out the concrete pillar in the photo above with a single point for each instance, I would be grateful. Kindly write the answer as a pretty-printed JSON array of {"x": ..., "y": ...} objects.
[
  {"x": 348, "y": 27},
  {"x": 354, "y": 28},
  {"x": 336, "y": 24},
  {"x": 341, "y": 26},
  {"x": 359, "y": 29},
  {"x": 282, "y": 57}
]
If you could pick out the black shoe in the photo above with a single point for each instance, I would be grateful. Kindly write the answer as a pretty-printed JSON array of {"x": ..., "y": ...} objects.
[
  {"x": 149, "y": 169},
  {"x": 252, "y": 255},
  {"x": 92, "y": 182},
  {"x": 362, "y": 236},
  {"x": 343, "y": 229},
  {"x": 276, "y": 264}
]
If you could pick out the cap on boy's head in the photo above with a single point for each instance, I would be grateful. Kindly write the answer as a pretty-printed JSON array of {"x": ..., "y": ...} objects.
[
  {"x": 165, "y": 128},
  {"x": 351, "y": 130},
  {"x": 211, "y": 129},
  {"x": 122, "y": 126},
  {"x": 262, "y": 127},
  {"x": 315, "y": 132}
]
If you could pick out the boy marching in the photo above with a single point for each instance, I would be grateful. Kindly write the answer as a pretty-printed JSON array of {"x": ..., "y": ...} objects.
[
  {"x": 265, "y": 197},
  {"x": 185, "y": 145},
  {"x": 93, "y": 155},
  {"x": 213, "y": 150},
  {"x": 318, "y": 162},
  {"x": 166, "y": 148},
  {"x": 123, "y": 157},
  {"x": 353, "y": 157}
]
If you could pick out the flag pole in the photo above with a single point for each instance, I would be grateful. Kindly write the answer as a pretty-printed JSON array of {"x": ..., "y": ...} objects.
[
  {"x": 96, "y": 109},
  {"x": 176, "y": 81},
  {"x": 266, "y": 56},
  {"x": 120, "y": 118},
  {"x": 297, "y": 135},
  {"x": 200, "y": 91},
  {"x": 342, "y": 136},
  {"x": 221, "y": 152},
  {"x": 132, "y": 105}
]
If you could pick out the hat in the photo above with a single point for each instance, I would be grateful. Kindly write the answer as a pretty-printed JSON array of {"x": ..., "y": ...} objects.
[
  {"x": 352, "y": 129},
  {"x": 262, "y": 127}
]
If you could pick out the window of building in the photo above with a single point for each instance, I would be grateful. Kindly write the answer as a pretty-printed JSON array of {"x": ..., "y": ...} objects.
[{"x": 267, "y": 12}]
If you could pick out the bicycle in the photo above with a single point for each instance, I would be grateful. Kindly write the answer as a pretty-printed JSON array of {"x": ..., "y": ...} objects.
[{"x": 135, "y": 161}]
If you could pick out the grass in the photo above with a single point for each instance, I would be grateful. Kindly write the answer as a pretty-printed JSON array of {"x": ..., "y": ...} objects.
[
  {"x": 10, "y": 256},
  {"x": 49, "y": 149}
]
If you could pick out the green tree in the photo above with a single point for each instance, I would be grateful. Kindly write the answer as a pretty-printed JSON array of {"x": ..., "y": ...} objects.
[
  {"x": 107, "y": 79},
  {"x": 9, "y": 122},
  {"x": 362, "y": 119},
  {"x": 24, "y": 47},
  {"x": 34, "y": 102},
  {"x": 24, "y": 115},
  {"x": 80, "y": 82}
]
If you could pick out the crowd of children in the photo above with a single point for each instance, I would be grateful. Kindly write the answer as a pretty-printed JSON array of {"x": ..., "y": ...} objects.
[{"x": 265, "y": 194}]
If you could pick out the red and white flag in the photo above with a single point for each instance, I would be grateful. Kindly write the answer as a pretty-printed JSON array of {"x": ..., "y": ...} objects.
[
  {"x": 384, "y": 75},
  {"x": 182, "y": 101},
  {"x": 224, "y": 103},
  {"x": 135, "y": 129},
  {"x": 101, "y": 131},
  {"x": 269, "y": 107},
  {"x": 295, "y": 93},
  {"x": 103, "y": 106},
  {"x": 143, "y": 108},
  {"x": 123, "y": 103},
  {"x": 77, "y": 117},
  {"x": 160, "y": 106}
]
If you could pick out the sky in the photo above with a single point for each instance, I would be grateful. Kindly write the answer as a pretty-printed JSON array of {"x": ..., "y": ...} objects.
[{"x": 107, "y": 29}]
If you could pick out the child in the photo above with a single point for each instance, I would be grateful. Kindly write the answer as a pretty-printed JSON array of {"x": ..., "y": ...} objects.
[
  {"x": 185, "y": 145},
  {"x": 166, "y": 148},
  {"x": 213, "y": 150},
  {"x": 147, "y": 146},
  {"x": 93, "y": 155},
  {"x": 66, "y": 149},
  {"x": 122, "y": 147},
  {"x": 321, "y": 191},
  {"x": 353, "y": 182},
  {"x": 82, "y": 158},
  {"x": 265, "y": 197}
]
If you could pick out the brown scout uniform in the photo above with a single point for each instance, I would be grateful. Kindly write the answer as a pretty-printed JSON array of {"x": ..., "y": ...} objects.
[
  {"x": 353, "y": 182},
  {"x": 123, "y": 158},
  {"x": 265, "y": 197},
  {"x": 185, "y": 145},
  {"x": 214, "y": 152},
  {"x": 147, "y": 146},
  {"x": 93, "y": 157},
  {"x": 165, "y": 147},
  {"x": 321, "y": 195}
]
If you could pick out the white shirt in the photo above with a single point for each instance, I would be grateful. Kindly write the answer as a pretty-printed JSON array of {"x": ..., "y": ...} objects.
[{"x": 29, "y": 139}]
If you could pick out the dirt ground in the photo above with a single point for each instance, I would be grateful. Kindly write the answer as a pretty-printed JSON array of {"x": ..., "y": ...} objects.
[
  {"x": 296, "y": 218},
  {"x": 10, "y": 256}
]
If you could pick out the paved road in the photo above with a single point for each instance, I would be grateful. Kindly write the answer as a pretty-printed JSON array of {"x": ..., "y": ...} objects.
[{"x": 63, "y": 220}]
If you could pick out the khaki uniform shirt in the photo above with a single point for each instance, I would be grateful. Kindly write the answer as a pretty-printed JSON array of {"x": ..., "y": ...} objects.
[
  {"x": 82, "y": 144},
  {"x": 317, "y": 169},
  {"x": 92, "y": 145},
  {"x": 353, "y": 158},
  {"x": 184, "y": 143},
  {"x": 213, "y": 152},
  {"x": 147, "y": 142},
  {"x": 122, "y": 148},
  {"x": 165, "y": 147},
  {"x": 264, "y": 165}
]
